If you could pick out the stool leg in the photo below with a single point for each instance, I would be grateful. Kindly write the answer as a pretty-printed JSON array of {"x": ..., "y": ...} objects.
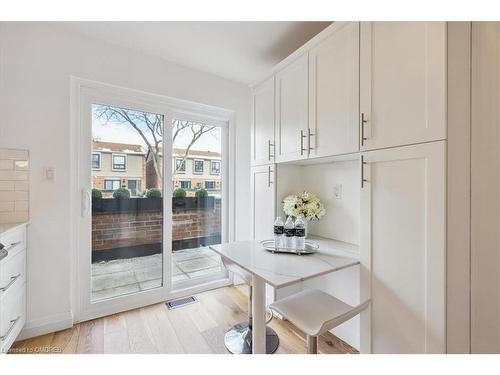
[{"x": 312, "y": 344}]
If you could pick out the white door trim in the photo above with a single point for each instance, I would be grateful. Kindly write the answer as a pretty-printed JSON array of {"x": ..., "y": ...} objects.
[{"x": 170, "y": 107}]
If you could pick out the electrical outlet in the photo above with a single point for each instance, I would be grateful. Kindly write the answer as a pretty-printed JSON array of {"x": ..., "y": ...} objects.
[{"x": 337, "y": 191}]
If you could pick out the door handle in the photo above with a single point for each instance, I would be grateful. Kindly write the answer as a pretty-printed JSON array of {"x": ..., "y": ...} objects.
[
  {"x": 309, "y": 135},
  {"x": 363, "y": 122},
  {"x": 269, "y": 171},
  {"x": 362, "y": 167},
  {"x": 269, "y": 145},
  {"x": 302, "y": 136},
  {"x": 86, "y": 202}
]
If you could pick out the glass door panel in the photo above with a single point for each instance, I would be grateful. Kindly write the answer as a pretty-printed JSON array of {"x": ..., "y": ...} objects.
[
  {"x": 197, "y": 209},
  {"x": 127, "y": 201}
]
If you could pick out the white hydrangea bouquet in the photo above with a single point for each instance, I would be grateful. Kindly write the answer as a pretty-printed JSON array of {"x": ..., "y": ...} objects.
[{"x": 306, "y": 204}]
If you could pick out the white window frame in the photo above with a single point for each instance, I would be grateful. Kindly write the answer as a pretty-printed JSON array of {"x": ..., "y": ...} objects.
[
  {"x": 100, "y": 160},
  {"x": 211, "y": 170},
  {"x": 113, "y": 162},
  {"x": 194, "y": 166},
  {"x": 81, "y": 90},
  {"x": 175, "y": 165}
]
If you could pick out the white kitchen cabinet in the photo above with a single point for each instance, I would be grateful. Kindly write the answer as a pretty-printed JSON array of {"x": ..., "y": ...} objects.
[
  {"x": 292, "y": 132},
  {"x": 334, "y": 92},
  {"x": 12, "y": 285},
  {"x": 402, "y": 249},
  {"x": 263, "y": 116},
  {"x": 402, "y": 83},
  {"x": 262, "y": 201}
]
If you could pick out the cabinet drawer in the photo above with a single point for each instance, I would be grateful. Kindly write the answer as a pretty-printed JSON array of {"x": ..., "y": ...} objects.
[
  {"x": 12, "y": 316},
  {"x": 14, "y": 240},
  {"x": 12, "y": 271}
]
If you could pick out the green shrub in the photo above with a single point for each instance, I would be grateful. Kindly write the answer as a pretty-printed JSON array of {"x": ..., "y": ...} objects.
[
  {"x": 121, "y": 193},
  {"x": 180, "y": 193},
  {"x": 201, "y": 193},
  {"x": 96, "y": 193},
  {"x": 153, "y": 193}
]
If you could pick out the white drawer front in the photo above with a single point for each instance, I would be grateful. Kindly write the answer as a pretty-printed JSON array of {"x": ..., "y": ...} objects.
[
  {"x": 12, "y": 271},
  {"x": 14, "y": 240},
  {"x": 12, "y": 316}
]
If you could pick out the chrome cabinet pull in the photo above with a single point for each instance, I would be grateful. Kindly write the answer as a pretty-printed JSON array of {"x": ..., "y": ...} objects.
[
  {"x": 11, "y": 282},
  {"x": 270, "y": 155},
  {"x": 269, "y": 171},
  {"x": 12, "y": 325},
  {"x": 13, "y": 245},
  {"x": 302, "y": 136},
  {"x": 363, "y": 122},
  {"x": 362, "y": 167},
  {"x": 309, "y": 135}
]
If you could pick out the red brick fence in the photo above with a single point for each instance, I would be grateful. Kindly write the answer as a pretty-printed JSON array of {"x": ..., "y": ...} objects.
[{"x": 133, "y": 227}]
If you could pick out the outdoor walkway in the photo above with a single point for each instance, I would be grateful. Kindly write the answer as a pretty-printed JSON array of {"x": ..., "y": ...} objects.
[{"x": 124, "y": 276}]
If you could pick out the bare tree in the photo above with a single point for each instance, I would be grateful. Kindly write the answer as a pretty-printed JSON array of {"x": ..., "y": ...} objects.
[{"x": 150, "y": 127}]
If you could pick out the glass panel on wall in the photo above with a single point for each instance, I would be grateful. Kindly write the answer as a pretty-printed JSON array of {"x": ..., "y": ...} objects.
[
  {"x": 196, "y": 202},
  {"x": 127, "y": 203}
]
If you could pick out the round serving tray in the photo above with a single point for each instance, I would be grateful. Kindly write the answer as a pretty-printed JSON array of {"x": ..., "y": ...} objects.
[{"x": 310, "y": 248}]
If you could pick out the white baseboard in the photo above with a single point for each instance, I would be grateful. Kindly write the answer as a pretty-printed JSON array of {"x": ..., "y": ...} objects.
[{"x": 53, "y": 323}]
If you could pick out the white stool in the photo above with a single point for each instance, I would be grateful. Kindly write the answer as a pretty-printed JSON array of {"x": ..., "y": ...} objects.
[
  {"x": 238, "y": 340},
  {"x": 314, "y": 312}
]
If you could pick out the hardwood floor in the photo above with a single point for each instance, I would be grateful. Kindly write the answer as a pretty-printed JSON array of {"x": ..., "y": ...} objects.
[{"x": 196, "y": 328}]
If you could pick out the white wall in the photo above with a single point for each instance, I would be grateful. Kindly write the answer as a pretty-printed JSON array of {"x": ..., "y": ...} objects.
[{"x": 36, "y": 62}]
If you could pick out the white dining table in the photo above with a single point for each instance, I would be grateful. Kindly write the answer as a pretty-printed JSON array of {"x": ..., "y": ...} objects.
[{"x": 278, "y": 270}]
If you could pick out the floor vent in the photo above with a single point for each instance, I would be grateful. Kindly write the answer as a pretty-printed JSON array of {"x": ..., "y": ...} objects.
[{"x": 176, "y": 303}]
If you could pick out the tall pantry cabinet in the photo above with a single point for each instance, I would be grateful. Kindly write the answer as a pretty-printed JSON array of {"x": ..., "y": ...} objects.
[{"x": 375, "y": 91}]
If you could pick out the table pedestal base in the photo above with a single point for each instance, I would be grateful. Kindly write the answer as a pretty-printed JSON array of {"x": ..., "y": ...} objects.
[{"x": 238, "y": 340}]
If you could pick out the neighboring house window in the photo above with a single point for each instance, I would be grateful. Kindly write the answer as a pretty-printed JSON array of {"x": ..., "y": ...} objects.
[
  {"x": 198, "y": 166},
  {"x": 180, "y": 165},
  {"x": 134, "y": 186},
  {"x": 96, "y": 160},
  {"x": 111, "y": 185},
  {"x": 186, "y": 184},
  {"x": 119, "y": 162},
  {"x": 210, "y": 185},
  {"x": 214, "y": 167}
]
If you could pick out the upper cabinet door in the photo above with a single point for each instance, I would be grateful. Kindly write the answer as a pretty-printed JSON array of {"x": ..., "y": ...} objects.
[
  {"x": 291, "y": 111},
  {"x": 402, "y": 83},
  {"x": 263, "y": 116},
  {"x": 334, "y": 92}
]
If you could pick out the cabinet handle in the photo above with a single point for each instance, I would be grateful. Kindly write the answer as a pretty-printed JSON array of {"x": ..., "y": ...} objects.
[
  {"x": 269, "y": 145},
  {"x": 302, "y": 136},
  {"x": 362, "y": 167},
  {"x": 269, "y": 171},
  {"x": 309, "y": 135},
  {"x": 363, "y": 122},
  {"x": 12, "y": 281},
  {"x": 13, "y": 245},
  {"x": 12, "y": 325}
]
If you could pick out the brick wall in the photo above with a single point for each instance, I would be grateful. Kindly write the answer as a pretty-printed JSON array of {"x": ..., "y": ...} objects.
[{"x": 116, "y": 229}]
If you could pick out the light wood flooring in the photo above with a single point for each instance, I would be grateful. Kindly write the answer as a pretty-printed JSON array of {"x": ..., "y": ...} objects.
[{"x": 196, "y": 328}]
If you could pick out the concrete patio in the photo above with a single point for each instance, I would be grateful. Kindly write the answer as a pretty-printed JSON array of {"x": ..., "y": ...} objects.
[{"x": 124, "y": 276}]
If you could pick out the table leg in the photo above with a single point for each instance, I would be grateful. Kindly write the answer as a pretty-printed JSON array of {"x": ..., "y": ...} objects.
[{"x": 258, "y": 315}]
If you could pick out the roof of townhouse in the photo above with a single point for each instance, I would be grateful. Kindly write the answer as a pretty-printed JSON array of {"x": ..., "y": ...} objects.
[
  {"x": 117, "y": 147},
  {"x": 210, "y": 154}
]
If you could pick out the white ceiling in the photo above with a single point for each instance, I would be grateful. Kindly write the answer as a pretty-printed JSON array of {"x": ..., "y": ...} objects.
[{"x": 240, "y": 51}]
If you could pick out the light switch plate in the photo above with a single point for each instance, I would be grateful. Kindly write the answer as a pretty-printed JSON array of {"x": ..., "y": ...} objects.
[{"x": 337, "y": 191}]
